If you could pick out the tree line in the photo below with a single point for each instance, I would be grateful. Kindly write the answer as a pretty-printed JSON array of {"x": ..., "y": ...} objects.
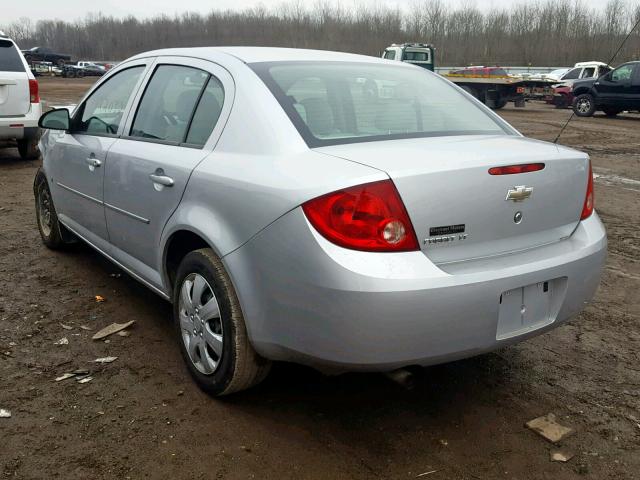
[{"x": 539, "y": 33}]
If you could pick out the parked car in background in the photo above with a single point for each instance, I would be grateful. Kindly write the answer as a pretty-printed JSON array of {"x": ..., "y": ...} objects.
[
  {"x": 556, "y": 74},
  {"x": 20, "y": 106},
  {"x": 612, "y": 93},
  {"x": 331, "y": 209},
  {"x": 45, "y": 54},
  {"x": 563, "y": 93},
  {"x": 92, "y": 68},
  {"x": 72, "y": 71}
]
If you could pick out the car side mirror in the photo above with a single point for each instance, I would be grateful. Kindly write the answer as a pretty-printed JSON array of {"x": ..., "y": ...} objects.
[{"x": 57, "y": 119}]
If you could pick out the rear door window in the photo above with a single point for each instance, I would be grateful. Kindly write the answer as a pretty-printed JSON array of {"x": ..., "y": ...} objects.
[
  {"x": 10, "y": 60},
  {"x": 169, "y": 103}
]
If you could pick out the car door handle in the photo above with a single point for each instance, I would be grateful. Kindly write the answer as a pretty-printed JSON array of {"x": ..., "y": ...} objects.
[
  {"x": 93, "y": 162},
  {"x": 161, "y": 179}
]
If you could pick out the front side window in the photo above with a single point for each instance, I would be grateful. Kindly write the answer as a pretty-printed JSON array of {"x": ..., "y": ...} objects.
[
  {"x": 338, "y": 102},
  {"x": 102, "y": 112},
  {"x": 622, "y": 74},
  {"x": 168, "y": 103}
]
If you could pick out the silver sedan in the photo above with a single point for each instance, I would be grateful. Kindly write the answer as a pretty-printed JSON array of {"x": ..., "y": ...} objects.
[{"x": 341, "y": 211}]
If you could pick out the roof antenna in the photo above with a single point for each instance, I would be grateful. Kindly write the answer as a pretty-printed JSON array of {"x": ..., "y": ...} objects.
[{"x": 608, "y": 63}]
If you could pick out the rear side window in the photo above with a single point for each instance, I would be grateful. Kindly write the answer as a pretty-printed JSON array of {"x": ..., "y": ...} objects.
[
  {"x": 10, "y": 60},
  {"x": 180, "y": 105},
  {"x": 207, "y": 113}
]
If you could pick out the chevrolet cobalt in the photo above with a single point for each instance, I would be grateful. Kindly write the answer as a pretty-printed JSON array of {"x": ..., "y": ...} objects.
[{"x": 341, "y": 211}]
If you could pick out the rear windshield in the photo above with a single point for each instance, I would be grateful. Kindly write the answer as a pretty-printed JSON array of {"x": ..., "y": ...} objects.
[
  {"x": 332, "y": 103},
  {"x": 10, "y": 60}
]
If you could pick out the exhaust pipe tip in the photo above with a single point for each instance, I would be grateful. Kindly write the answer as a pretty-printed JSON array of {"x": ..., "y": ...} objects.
[{"x": 402, "y": 377}]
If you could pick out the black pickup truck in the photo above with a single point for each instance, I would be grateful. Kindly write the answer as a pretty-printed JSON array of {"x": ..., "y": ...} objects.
[
  {"x": 44, "y": 54},
  {"x": 612, "y": 93}
]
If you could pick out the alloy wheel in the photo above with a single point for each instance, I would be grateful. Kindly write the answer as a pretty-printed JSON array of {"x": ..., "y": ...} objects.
[
  {"x": 200, "y": 323},
  {"x": 584, "y": 105}
]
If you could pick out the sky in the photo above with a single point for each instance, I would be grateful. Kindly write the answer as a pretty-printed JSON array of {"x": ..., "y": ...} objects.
[{"x": 74, "y": 9}]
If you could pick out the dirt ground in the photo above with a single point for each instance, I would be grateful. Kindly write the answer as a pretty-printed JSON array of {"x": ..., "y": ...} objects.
[{"x": 142, "y": 416}]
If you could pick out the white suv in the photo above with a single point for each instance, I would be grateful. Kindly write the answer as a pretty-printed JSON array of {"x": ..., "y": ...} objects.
[{"x": 20, "y": 106}]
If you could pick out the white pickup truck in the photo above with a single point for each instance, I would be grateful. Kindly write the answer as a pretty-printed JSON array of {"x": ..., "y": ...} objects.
[{"x": 20, "y": 107}]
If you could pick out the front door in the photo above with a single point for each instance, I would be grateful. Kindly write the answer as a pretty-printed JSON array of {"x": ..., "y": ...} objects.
[
  {"x": 78, "y": 157},
  {"x": 170, "y": 133},
  {"x": 614, "y": 88}
]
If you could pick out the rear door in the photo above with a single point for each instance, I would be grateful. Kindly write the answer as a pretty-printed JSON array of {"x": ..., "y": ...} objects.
[
  {"x": 77, "y": 159},
  {"x": 14, "y": 81},
  {"x": 174, "y": 126}
]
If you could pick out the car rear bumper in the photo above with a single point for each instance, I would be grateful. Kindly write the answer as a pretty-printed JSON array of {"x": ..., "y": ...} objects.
[
  {"x": 309, "y": 301},
  {"x": 21, "y": 127}
]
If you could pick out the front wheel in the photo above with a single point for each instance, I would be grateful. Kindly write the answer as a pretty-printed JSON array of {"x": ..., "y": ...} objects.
[
  {"x": 53, "y": 234},
  {"x": 211, "y": 328},
  {"x": 584, "y": 105}
]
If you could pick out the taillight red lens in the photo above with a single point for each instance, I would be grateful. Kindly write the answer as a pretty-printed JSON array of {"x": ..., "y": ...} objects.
[
  {"x": 369, "y": 217},
  {"x": 589, "y": 200},
  {"x": 511, "y": 169},
  {"x": 34, "y": 91}
]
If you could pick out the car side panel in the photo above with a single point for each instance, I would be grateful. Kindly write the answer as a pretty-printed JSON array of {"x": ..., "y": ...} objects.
[{"x": 231, "y": 197}]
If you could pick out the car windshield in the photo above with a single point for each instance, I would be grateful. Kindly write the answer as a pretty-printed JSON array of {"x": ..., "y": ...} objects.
[{"x": 332, "y": 103}]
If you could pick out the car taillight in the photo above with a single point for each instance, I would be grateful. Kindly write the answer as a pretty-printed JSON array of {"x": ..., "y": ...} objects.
[
  {"x": 369, "y": 217},
  {"x": 34, "y": 91},
  {"x": 587, "y": 208}
]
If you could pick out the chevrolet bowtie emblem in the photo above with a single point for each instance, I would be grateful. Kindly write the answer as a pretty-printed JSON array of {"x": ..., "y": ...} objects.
[{"x": 519, "y": 193}]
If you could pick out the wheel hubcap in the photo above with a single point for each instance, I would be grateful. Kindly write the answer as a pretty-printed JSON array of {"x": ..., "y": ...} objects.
[
  {"x": 44, "y": 211},
  {"x": 200, "y": 323},
  {"x": 584, "y": 105}
]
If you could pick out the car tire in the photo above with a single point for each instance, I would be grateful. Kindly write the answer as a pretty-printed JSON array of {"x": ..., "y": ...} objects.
[
  {"x": 584, "y": 105},
  {"x": 611, "y": 112},
  {"x": 211, "y": 329},
  {"x": 53, "y": 234},
  {"x": 28, "y": 149}
]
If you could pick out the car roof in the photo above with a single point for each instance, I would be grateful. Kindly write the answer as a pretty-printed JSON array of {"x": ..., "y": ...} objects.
[{"x": 264, "y": 54}]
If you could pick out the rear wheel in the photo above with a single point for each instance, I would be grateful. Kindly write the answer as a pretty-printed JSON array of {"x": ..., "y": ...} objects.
[
  {"x": 211, "y": 328},
  {"x": 54, "y": 235},
  {"x": 28, "y": 148},
  {"x": 584, "y": 105}
]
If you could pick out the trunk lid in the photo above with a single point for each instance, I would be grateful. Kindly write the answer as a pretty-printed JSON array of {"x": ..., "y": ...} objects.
[
  {"x": 445, "y": 184},
  {"x": 14, "y": 82}
]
